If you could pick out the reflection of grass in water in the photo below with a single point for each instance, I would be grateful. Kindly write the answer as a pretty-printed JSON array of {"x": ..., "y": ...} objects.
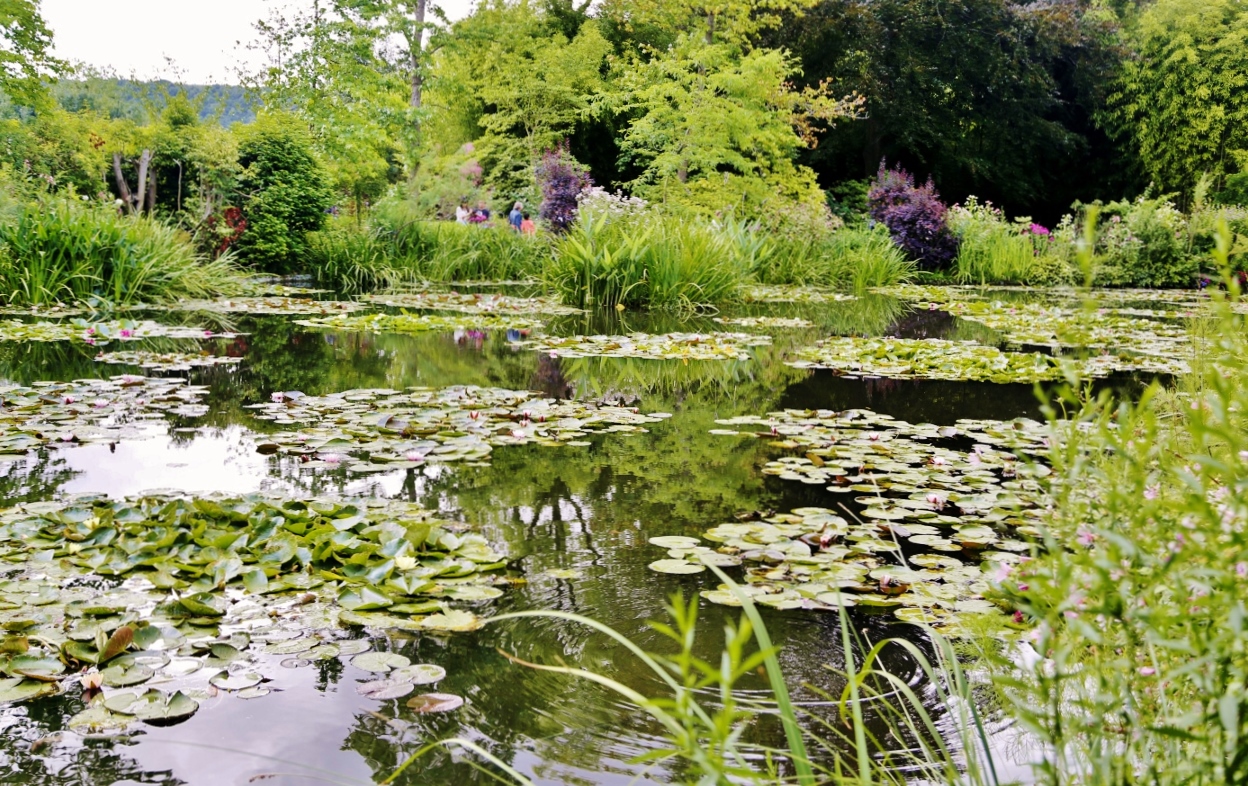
[
  {"x": 25, "y": 362},
  {"x": 731, "y": 380}
]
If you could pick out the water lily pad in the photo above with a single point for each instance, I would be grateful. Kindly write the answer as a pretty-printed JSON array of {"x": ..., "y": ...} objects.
[
  {"x": 674, "y": 542},
  {"x": 421, "y": 323},
  {"x": 455, "y": 620},
  {"x": 669, "y": 346},
  {"x": 123, "y": 676},
  {"x": 676, "y": 566},
  {"x": 380, "y": 662},
  {"x": 385, "y": 689},
  {"x": 153, "y": 706},
  {"x": 16, "y": 689},
  {"x": 235, "y": 682},
  {"x": 435, "y": 702},
  {"x": 473, "y": 303}
]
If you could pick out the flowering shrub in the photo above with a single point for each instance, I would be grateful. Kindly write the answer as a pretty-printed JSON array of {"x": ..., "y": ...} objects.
[
  {"x": 915, "y": 217},
  {"x": 1144, "y": 244},
  {"x": 561, "y": 180}
]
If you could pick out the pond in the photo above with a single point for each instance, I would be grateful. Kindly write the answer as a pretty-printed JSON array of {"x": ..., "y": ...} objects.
[{"x": 574, "y": 514}]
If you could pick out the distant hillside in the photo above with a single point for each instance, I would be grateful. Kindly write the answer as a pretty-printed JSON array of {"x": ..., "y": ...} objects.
[
  {"x": 140, "y": 101},
  {"x": 226, "y": 104}
]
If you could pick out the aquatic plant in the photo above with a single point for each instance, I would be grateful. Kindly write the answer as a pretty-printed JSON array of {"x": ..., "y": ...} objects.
[
  {"x": 421, "y": 323},
  {"x": 472, "y": 303},
  {"x": 795, "y": 323},
  {"x": 98, "y": 410},
  {"x": 271, "y": 305},
  {"x": 215, "y": 585},
  {"x": 780, "y": 293},
  {"x": 166, "y": 361},
  {"x": 62, "y": 251},
  {"x": 93, "y": 332},
  {"x": 669, "y": 346},
  {"x": 391, "y": 429}
]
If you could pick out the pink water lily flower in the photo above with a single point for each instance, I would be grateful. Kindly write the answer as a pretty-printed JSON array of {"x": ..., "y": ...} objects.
[
  {"x": 414, "y": 456},
  {"x": 126, "y": 333},
  {"x": 1147, "y": 671},
  {"x": 332, "y": 458},
  {"x": 207, "y": 334},
  {"x": 69, "y": 399},
  {"x": 277, "y": 398}
]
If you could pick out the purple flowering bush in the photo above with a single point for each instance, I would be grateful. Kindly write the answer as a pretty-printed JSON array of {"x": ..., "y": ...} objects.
[
  {"x": 561, "y": 180},
  {"x": 915, "y": 217}
]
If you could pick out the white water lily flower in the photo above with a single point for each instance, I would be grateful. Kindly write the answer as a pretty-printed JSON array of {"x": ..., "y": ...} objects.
[{"x": 405, "y": 563}]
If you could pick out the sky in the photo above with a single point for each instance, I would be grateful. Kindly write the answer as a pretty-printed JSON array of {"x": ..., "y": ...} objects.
[{"x": 204, "y": 38}]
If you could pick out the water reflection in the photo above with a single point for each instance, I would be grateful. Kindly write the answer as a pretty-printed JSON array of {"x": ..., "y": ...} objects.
[{"x": 589, "y": 509}]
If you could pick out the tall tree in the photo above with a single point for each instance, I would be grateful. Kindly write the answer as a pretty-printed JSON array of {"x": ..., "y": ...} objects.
[
  {"x": 1182, "y": 103},
  {"x": 26, "y": 60}
]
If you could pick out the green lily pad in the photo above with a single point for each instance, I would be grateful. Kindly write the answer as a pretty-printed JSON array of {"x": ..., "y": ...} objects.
[
  {"x": 235, "y": 682},
  {"x": 380, "y": 662},
  {"x": 16, "y": 689},
  {"x": 385, "y": 689},
  {"x": 676, "y": 566}
]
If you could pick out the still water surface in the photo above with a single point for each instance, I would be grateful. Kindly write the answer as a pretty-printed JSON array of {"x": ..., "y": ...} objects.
[{"x": 590, "y": 509}]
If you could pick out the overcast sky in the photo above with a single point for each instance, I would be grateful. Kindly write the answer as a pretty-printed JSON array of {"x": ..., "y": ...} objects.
[{"x": 133, "y": 37}]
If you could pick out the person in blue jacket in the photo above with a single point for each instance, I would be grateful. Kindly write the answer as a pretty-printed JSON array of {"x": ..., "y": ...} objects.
[{"x": 516, "y": 216}]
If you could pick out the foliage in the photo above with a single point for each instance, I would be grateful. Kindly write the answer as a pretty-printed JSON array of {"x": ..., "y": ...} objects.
[
  {"x": 1144, "y": 243},
  {"x": 57, "y": 250},
  {"x": 915, "y": 217},
  {"x": 1136, "y": 598},
  {"x": 653, "y": 261},
  {"x": 992, "y": 250},
  {"x": 285, "y": 193},
  {"x": 992, "y": 97},
  {"x": 26, "y": 59},
  {"x": 401, "y": 250},
  {"x": 561, "y": 182},
  {"x": 716, "y": 130},
  {"x": 1182, "y": 104}
]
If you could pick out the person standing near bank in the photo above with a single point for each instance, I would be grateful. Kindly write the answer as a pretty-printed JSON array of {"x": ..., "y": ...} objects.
[{"x": 516, "y": 216}]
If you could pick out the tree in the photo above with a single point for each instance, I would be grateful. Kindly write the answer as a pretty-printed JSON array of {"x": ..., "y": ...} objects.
[
  {"x": 26, "y": 61},
  {"x": 1182, "y": 104},
  {"x": 658, "y": 23},
  {"x": 284, "y": 190},
  {"x": 716, "y": 131},
  {"x": 992, "y": 97}
]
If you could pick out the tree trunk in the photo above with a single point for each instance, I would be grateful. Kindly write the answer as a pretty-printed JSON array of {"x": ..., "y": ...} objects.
[
  {"x": 123, "y": 188},
  {"x": 151, "y": 191},
  {"x": 415, "y": 48},
  {"x": 710, "y": 27},
  {"x": 145, "y": 160}
]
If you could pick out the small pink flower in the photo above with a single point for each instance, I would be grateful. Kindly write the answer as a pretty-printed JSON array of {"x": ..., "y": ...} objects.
[
  {"x": 554, "y": 354},
  {"x": 332, "y": 458},
  {"x": 1150, "y": 492},
  {"x": 1241, "y": 569},
  {"x": 414, "y": 456},
  {"x": 936, "y": 501},
  {"x": 69, "y": 399},
  {"x": 874, "y": 436},
  {"x": 126, "y": 333},
  {"x": 1024, "y": 587},
  {"x": 1086, "y": 537},
  {"x": 1147, "y": 671},
  {"x": 90, "y": 331},
  {"x": 474, "y": 415},
  {"x": 91, "y": 341},
  {"x": 277, "y": 398},
  {"x": 1003, "y": 573},
  {"x": 1018, "y": 618},
  {"x": 207, "y": 334}
]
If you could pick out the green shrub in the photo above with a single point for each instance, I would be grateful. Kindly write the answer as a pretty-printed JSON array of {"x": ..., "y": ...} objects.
[
  {"x": 285, "y": 192},
  {"x": 991, "y": 250},
  {"x": 1144, "y": 244},
  {"x": 858, "y": 259},
  {"x": 58, "y": 250}
]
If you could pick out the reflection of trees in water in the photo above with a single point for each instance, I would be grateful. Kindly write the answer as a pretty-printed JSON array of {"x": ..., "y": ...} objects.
[
  {"x": 39, "y": 476},
  {"x": 63, "y": 760}
]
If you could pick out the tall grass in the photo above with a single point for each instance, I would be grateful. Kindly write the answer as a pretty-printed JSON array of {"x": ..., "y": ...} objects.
[
  {"x": 705, "y": 724},
  {"x": 651, "y": 261},
  {"x": 418, "y": 251},
  {"x": 995, "y": 253},
  {"x": 854, "y": 259},
  {"x": 56, "y": 250}
]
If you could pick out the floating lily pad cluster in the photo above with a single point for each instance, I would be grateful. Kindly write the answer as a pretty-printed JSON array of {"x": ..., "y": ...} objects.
[
  {"x": 98, "y": 332},
  {"x": 392, "y": 429},
  {"x": 933, "y": 504},
  {"x": 272, "y": 305},
  {"x": 761, "y": 293},
  {"x": 421, "y": 323},
  {"x": 282, "y": 290},
  {"x": 97, "y": 410},
  {"x": 901, "y": 358},
  {"x": 201, "y": 590},
  {"x": 813, "y": 558},
  {"x": 474, "y": 303},
  {"x": 165, "y": 361},
  {"x": 766, "y": 322},
  {"x": 667, "y": 346}
]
